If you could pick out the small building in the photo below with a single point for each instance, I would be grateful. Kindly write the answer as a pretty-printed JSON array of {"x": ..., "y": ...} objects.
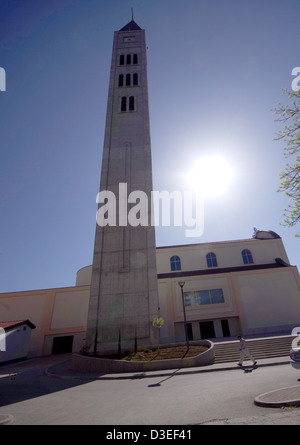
[{"x": 15, "y": 339}]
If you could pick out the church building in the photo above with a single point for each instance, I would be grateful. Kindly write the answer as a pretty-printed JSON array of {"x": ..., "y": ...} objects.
[{"x": 222, "y": 289}]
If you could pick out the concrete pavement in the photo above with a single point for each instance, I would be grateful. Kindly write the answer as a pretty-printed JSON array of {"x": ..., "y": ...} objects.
[
  {"x": 62, "y": 370},
  {"x": 59, "y": 367},
  {"x": 278, "y": 398}
]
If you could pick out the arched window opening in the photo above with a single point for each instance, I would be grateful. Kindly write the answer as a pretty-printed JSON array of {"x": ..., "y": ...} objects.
[
  {"x": 121, "y": 80},
  {"x": 211, "y": 260},
  {"x": 122, "y": 59},
  {"x": 175, "y": 263},
  {"x": 247, "y": 256},
  {"x": 135, "y": 79},
  {"x": 124, "y": 103},
  {"x": 128, "y": 59},
  {"x": 128, "y": 82},
  {"x": 135, "y": 59},
  {"x": 131, "y": 103}
]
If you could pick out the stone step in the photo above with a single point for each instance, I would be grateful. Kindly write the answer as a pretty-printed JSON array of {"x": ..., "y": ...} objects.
[{"x": 260, "y": 348}]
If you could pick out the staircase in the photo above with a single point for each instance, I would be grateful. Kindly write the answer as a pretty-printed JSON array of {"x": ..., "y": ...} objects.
[{"x": 268, "y": 347}]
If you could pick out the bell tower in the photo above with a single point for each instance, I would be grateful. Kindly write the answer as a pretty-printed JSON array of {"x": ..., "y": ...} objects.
[{"x": 123, "y": 295}]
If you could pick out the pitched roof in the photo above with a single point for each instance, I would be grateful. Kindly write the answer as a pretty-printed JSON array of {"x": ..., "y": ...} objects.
[
  {"x": 6, "y": 325},
  {"x": 131, "y": 26}
]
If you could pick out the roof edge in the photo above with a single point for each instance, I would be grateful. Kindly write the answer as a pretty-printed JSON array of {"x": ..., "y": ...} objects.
[
  {"x": 15, "y": 323},
  {"x": 222, "y": 270},
  {"x": 131, "y": 26}
]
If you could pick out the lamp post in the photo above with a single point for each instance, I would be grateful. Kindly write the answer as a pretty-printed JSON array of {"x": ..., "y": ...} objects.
[{"x": 181, "y": 284}]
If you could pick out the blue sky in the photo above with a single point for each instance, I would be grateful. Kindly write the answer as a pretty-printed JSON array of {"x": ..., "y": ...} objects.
[{"x": 215, "y": 69}]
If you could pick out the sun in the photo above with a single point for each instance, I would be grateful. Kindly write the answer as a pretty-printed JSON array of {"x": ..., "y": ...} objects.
[{"x": 211, "y": 176}]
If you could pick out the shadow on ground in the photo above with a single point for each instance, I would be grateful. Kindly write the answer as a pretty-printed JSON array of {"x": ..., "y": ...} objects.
[{"x": 28, "y": 380}]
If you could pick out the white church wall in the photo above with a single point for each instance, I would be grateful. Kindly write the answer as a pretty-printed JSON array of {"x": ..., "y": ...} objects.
[
  {"x": 255, "y": 301},
  {"x": 70, "y": 309},
  {"x": 203, "y": 312},
  {"x": 268, "y": 300},
  {"x": 229, "y": 254},
  {"x": 171, "y": 307}
]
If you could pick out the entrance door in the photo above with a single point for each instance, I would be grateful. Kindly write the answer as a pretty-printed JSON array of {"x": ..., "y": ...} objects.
[
  {"x": 62, "y": 345},
  {"x": 207, "y": 329},
  {"x": 225, "y": 328},
  {"x": 189, "y": 329}
]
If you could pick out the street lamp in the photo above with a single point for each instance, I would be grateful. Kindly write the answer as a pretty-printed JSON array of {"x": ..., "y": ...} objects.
[{"x": 181, "y": 284}]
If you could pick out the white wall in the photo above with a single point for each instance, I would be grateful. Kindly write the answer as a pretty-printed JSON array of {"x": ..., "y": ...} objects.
[
  {"x": 70, "y": 309},
  {"x": 17, "y": 343},
  {"x": 26, "y": 306},
  {"x": 193, "y": 257},
  {"x": 268, "y": 300},
  {"x": 54, "y": 312}
]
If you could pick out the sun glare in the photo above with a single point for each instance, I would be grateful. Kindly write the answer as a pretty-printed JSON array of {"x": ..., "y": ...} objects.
[{"x": 211, "y": 176}]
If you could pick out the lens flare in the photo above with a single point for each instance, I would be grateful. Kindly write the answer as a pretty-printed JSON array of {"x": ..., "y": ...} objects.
[{"x": 211, "y": 176}]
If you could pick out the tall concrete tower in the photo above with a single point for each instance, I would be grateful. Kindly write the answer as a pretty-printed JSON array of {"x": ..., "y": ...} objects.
[{"x": 124, "y": 296}]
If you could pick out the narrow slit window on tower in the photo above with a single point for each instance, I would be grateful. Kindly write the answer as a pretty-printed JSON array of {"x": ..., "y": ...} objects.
[
  {"x": 122, "y": 59},
  {"x": 128, "y": 80},
  {"x": 135, "y": 59},
  {"x": 123, "y": 103},
  {"x": 128, "y": 59},
  {"x": 121, "y": 80},
  {"x": 135, "y": 79},
  {"x": 131, "y": 103}
]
